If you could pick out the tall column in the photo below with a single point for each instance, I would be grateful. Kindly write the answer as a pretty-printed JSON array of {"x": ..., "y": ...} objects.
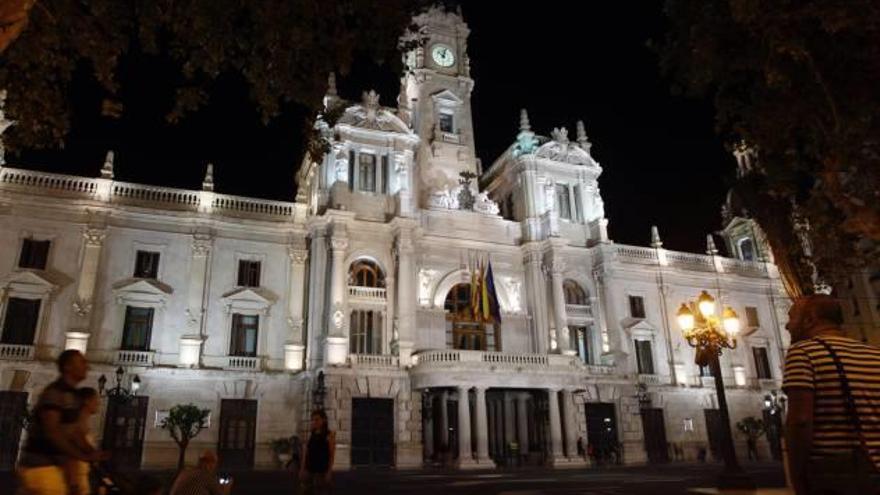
[
  {"x": 194, "y": 336},
  {"x": 569, "y": 424},
  {"x": 80, "y": 331},
  {"x": 465, "y": 457},
  {"x": 444, "y": 421},
  {"x": 536, "y": 297},
  {"x": 317, "y": 295},
  {"x": 482, "y": 425},
  {"x": 499, "y": 427},
  {"x": 522, "y": 411},
  {"x": 337, "y": 338},
  {"x": 493, "y": 438},
  {"x": 509, "y": 421},
  {"x": 406, "y": 295},
  {"x": 555, "y": 426},
  {"x": 556, "y": 269},
  {"x": 428, "y": 418},
  {"x": 294, "y": 347}
]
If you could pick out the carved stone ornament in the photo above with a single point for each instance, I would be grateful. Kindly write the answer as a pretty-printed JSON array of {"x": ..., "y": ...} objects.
[
  {"x": 339, "y": 244},
  {"x": 94, "y": 237},
  {"x": 297, "y": 256},
  {"x": 82, "y": 308},
  {"x": 338, "y": 319},
  {"x": 201, "y": 245}
]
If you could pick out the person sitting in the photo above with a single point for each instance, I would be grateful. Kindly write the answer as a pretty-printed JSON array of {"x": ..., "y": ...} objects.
[{"x": 202, "y": 479}]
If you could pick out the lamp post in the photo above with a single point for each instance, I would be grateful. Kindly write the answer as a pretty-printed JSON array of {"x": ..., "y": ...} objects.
[
  {"x": 710, "y": 334},
  {"x": 118, "y": 392}
]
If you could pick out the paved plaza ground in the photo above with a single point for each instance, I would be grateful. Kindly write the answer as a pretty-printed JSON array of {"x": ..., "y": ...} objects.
[{"x": 654, "y": 480}]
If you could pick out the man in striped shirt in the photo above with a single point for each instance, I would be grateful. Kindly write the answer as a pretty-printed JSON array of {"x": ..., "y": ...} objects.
[{"x": 819, "y": 424}]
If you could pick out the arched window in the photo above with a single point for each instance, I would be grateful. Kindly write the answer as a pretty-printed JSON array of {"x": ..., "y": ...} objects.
[
  {"x": 468, "y": 333},
  {"x": 574, "y": 293},
  {"x": 366, "y": 273},
  {"x": 747, "y": 249}
]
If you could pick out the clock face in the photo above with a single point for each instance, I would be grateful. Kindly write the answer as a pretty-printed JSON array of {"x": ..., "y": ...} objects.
[{"x": 443, "y": 55}]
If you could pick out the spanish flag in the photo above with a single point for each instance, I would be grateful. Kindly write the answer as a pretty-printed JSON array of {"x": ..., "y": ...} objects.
[{"x": 491, "y": 297}]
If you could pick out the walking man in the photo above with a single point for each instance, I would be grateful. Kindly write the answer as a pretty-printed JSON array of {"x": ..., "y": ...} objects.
[
  {"x": 49, "y": 443},
  {"x": 833, "y": 388}
]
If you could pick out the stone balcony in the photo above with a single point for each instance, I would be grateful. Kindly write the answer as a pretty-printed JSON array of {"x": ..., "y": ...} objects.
[
  {"x": 134, "y": 358},
  {"x": 578, "y": 311},
  {"x": 243, "y": 363},
  {"x": 684, "y": 261},
  {"x": 15, "y": 352},
  {"x": 374, "y": 361},
  {"x": 439, "y": 366},
  {"x": 366, "y": 294}
]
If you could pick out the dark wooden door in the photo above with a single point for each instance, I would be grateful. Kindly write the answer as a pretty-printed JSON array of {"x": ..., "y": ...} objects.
[
  {"x": 124, "y": 430},
  {"x": 13, "y": 412},
  {"x": 372, "y": 432},
  {"x": 601, "y": 426},
  {"x": 238, "y": 431},
  {"x": 655, "y": 435},
  {"x": 713, "y": 431}
]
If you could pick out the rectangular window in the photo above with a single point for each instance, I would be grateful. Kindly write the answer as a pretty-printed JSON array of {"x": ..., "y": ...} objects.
[
  {"x": 636, "y": 306},
  {"x": 762, "y": 363},
  {"x": 352, "y": 157},
  {"x": 446, "y": 122},
  {"x": 244, "y": 335},
  {"x": 366, "y": 332},
  {"x": 582, "y": 342},
  {"x": 146, "y": 264},
  {"x": 563, "y": 202},
  {"x": 137, "y": 329},
  {"x": 385, "y": 174},
  {"x": 644, "y": 358},
  {"x": 20, "y": 324},
  {"x": 248, "y": 273},
  {"x": 367, "y": 172},
  {"x": 34, "y": 254},
  {"x": 752, "y": 317},
  {"x": 577, "y": 213}
]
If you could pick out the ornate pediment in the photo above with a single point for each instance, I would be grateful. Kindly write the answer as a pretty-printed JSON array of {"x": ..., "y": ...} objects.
[
  {"x": 142, "y": 292},
  {"x": 248, "y": 299},
  {"x": 37, "y": 283},
  {"x": 560, "y": 149},
  {"x": 447, "y": 98},
  {"x": 370, "y": 115}
]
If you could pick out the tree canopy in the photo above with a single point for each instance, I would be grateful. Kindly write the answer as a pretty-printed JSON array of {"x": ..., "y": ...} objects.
[
  {"x": 797, "y": 82},
  {"x": 284, "y": 49}
]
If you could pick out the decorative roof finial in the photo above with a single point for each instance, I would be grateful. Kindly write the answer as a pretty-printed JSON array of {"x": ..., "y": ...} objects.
[
  {"x": 107, "y": 169},
  {"x": 560, "y": 135},
  {"x": 582, "y": 139},
  {"x": 208, "y": 183},
  {"x": 331, "y": 84},
  {"x": 524, "y": 120},
  {"x": 711, "y": 250},
  {"x": 656, "y": 243}
]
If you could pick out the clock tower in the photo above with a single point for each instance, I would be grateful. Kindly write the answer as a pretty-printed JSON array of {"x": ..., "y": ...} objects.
[{"x": 436, "y": 94}]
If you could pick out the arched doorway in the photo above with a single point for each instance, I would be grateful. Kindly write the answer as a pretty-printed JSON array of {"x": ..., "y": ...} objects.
[{"x": 464, "y": 330}]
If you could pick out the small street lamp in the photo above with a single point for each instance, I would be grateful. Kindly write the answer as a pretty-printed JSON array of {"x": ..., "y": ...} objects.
[
  {"x": 710, "y": 334},
  {"x": 119, "y": 392}
]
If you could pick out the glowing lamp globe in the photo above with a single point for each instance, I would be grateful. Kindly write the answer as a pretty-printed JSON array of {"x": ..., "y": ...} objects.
[
  {"x": 706, "y": 304},
  {"x": 685, "y": 318},
  {"x": 730, "y": 320}
]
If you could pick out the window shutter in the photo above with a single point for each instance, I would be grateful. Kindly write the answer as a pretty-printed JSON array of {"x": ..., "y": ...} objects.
[
  {"x": 384, "y": 174},
  {"x": 351, "y": 164}
]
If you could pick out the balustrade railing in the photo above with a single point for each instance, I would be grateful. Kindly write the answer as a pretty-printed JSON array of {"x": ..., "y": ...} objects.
[
  {"x": 373, "y": 360},
  {"x": 243, "y": 363},
  {"x": 578, "y": 311},
  {"x": 16, "y": 352},
  {"x": 747, "y": 268},
  {"x": 377, "y": 293},
  {"x": 134, "y": 358}
]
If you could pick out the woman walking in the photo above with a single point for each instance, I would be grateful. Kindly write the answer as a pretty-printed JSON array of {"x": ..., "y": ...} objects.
[{"x": 316, "y": 465}]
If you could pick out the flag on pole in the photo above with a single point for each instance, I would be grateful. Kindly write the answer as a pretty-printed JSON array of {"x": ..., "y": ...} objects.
[
  {"x": 494, "y": 310},
  {"x": 484, "y": 295},
  {"x": 475, "y": 288}
]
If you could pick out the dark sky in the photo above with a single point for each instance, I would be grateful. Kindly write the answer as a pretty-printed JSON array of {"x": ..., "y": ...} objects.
[{"x": 563, "y": 61}]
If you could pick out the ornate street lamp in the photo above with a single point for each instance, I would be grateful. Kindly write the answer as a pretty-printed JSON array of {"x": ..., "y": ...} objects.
[
  {"x": 710, "y": 334},
  {"x": 119, "y": 392}
]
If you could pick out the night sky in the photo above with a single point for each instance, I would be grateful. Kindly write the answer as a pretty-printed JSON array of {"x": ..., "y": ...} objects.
[{"x": 563, "y": 61}]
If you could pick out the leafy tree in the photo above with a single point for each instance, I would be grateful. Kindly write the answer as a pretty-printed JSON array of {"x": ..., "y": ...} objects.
[
  {"x": 185, "y": 422},
  {"x": 798, "y": 82},
  {"x": 284, "y": 50},
  {"x": 751, "y": 427}
]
